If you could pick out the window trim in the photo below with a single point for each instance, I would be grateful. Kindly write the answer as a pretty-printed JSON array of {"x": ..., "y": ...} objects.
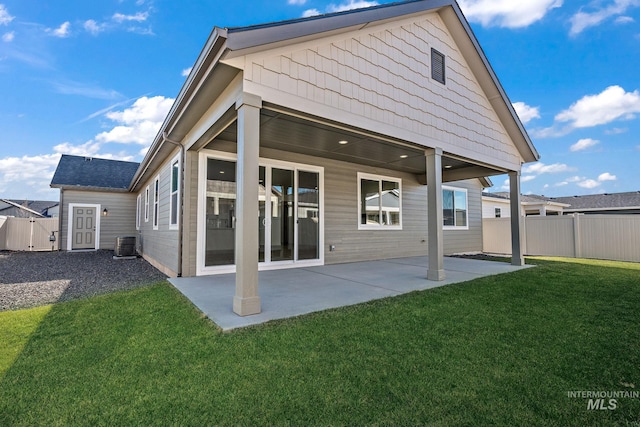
[
  {"x": 138, "y": 211},
  {"x": 176, "y": 205},
  {"x": 466, "y": 196},
  {"x": 437, "y": 54},
  {"x": 156, "y": 202},
  {"x": 146, "y": 204},
  {"x": 379, "y": 178}
]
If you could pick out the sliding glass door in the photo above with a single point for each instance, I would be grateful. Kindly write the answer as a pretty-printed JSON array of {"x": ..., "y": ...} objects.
[{"x": 289, "y": 213}]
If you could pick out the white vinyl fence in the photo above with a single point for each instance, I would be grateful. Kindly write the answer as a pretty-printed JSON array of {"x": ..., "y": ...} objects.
[
  {"x": 614, "y": 237},
  {"x": 28, "y": 234}
]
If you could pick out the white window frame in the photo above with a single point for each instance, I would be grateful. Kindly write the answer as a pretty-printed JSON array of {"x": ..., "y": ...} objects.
[
  {"x": 379, "y": 178},
  {"x": 146, "y": 204},
  {"x": 174, "y": 205},
  {"x": 156, "y": 202},
  {"x": 138, "y": 211},
  {"x": 466, "y": 196}
]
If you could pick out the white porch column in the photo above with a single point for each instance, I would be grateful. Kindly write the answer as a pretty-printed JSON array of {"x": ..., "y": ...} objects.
[
  {"x": 246, "y": 300},
  {"x": 517, "y": 257},
  {"x": 434, "y": 212}
]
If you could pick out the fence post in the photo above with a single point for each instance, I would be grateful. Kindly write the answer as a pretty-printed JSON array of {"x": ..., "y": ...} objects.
[
  {"x": 577, "y": 237},
  {"x": 31, "y": 221}
]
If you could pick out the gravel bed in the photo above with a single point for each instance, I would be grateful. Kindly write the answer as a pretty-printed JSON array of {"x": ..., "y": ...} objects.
[{"x": 29, "y": 279}]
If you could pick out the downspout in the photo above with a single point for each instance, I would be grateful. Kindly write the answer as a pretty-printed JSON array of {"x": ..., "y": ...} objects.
[{"x": 180, "y": 197}]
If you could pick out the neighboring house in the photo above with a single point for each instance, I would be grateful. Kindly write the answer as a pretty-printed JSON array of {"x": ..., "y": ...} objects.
[
  {"x": 608, "y": 203},
  {"x": 28, "y": 208},
  {"x": 497, "y": 205},
  {"x": 97, "y": 205},
  {"x": 312, "y": 141}
]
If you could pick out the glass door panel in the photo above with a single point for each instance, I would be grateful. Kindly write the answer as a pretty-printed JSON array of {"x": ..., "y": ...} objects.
[
  {"x": 308, "y": 215},
  {"x": 282, "y": 214},
  {"x": 220, "y": 216},
  {"x": 262, "y": 218}
]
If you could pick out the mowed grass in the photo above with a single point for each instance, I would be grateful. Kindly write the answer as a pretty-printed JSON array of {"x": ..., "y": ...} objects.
[{"x": 503, "y": 350}]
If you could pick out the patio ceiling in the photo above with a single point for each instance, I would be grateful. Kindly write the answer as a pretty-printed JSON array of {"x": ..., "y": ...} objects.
[{"x": 283, "y": 130}]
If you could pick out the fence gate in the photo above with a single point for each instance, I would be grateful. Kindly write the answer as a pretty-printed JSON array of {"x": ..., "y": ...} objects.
[{"x": 30, "y": 234}]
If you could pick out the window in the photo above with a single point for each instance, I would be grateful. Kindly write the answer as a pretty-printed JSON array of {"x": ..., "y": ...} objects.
[
  {"x": 498, "y": 212},
  {"x": 174, "y": 200},
  {"x": 156, "y": 201},
  {"x": 437, "y": 66},
  {"x": 454, "y": 207},
  {"x": 146, "y": 204},
  {"x": 138, "y": 210},
  {"x": 380, "y": 202}
]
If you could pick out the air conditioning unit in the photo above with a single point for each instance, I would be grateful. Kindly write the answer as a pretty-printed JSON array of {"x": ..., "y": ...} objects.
[{"x": 125, "y": 246}]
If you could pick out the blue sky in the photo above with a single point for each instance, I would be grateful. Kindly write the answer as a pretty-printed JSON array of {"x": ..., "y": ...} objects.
[{"x": 97, "y": 78}]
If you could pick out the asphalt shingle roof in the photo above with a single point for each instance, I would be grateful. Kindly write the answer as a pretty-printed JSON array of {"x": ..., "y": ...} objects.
[
  {"x": 79, "y": 171},
  {"x": 601, "y": 201}
]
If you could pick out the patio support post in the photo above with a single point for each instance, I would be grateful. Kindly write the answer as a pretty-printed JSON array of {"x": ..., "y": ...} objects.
[
  {"x": 246, "y": 300},
  {"x": 434, "y": 212},
  {"x": 517, "y": 257}
]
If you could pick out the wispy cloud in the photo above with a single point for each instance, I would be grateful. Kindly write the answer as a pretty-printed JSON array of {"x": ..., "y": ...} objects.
[
  {"x": 63, "y": 31},
  {"x": 583, "y": 144},
  {"x": 296, "y": 2},
  {"x": 186, "y": 72},
  {"x": 507, "y": 13},
  {"x": 349, "y": 5},
  {"x": 5, "y": 17},
  {"x": 599, "y": 14},
  {"x": 68, "y": 87},
  {"x": 8, "y": 37},
  {"x": 539, "y": 168},
  {"x": 117, "y": 21}
]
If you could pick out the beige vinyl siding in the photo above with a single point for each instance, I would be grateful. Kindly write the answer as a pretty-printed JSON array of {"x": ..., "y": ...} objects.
[
  {"x": 465, "y": 241},
  {"x": 379, "y": 78},
  {"x": 121, "y": 220},
  {"x": 160, "y": 246},
  {"x": 341, "y": 213},
  {"x": 190, "y": 232}
]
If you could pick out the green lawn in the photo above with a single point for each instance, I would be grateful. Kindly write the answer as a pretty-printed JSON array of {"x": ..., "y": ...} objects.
[{"x": 502, "y": 350}]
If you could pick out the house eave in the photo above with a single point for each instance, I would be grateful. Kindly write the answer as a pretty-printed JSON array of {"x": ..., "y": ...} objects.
[{"x": 90, "y": 188}]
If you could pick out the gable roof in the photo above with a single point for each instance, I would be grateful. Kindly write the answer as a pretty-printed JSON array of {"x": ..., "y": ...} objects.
[
  {"x": 209, "y": 75},
  {"x": 79, "y": 172},
  {"x": 606, "y": 201}
]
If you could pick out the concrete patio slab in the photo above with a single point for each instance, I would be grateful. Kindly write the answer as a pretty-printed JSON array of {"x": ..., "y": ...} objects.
[{"x": 296, "y": 291}]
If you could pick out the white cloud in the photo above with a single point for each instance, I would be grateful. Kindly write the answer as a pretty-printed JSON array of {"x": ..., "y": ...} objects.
[
  {"x": 138, "y": 124},
  {"x": 592, "y": 110},
  {"x": 296, "y": 2},
  {"x": 583, "y": 20},
  {"x": 63, "y": 31},
  {"x": 539, "y": 168},
  {"x": 310, "y": 12},
  {"x": 138, "y": 17},
  {"x": 583, "y": 144},
  {"x": 89, "y": 148},
  {"x": 186, "y": 72},
  {"x": 624, "y": 20},
  {"x": 606, "y": 177},
  {"x": 588, "y": 183},
  {"x": 28, "y": 177},
  {"x": 5, "y": 17},
  {"x": 616, "y": 131},
  {"x": 526, "y": 112},
  {"x": 8, "y": 37},
  {"x": 507, "y": 13},
  {"x": 351, "y": 4},
  {"x": 527, "y": 178},
  {"x": 93, "y": 27}
]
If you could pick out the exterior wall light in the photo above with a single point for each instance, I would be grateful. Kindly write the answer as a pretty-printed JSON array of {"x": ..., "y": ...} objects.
[{"x": 105, "y": 212}]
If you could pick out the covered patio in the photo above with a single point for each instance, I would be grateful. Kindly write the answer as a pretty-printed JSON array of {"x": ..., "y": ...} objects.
[{"x": 296, "y": 291}]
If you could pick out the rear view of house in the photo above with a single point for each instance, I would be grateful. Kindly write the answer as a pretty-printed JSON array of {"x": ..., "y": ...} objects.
[{"x": 350, "y": 136}]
